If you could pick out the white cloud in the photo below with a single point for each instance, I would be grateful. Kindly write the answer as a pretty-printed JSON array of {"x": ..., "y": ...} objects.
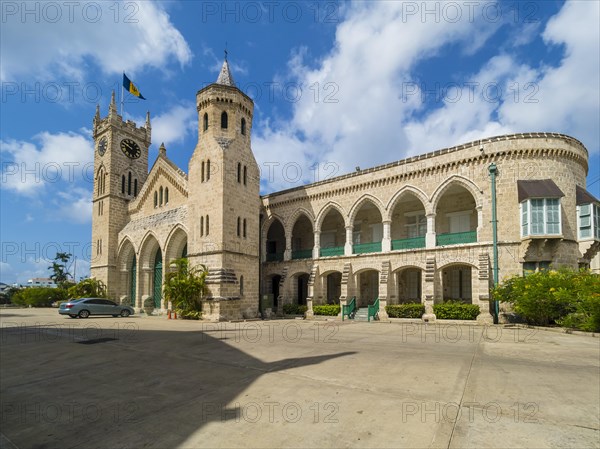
[
  {"x": 174, "y": 125},
  {"x": 372, "y": 117},
  {"x": 351, "y": 111},
  {"x": 568, "y": 96},
  {"x": 52, "y": 158},
  {"x": 74, "y": 205},
  {"x": 61, "y": 38}
]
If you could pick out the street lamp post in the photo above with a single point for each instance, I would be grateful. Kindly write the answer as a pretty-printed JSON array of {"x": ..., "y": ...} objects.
[{"x": 493, "y": 169}]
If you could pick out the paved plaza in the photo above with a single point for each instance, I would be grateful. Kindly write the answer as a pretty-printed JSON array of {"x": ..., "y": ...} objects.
[{"x": 158, "y": 383}]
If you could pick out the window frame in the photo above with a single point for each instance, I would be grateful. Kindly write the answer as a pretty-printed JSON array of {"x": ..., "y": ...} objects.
[{"x": 526, "y": 211}]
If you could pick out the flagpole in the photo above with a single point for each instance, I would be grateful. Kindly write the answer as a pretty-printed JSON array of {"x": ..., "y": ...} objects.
[{"x": 122, "y": 95}]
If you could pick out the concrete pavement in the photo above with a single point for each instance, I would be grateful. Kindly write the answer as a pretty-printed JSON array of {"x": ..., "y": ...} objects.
[{"x": 151, "y": 382}]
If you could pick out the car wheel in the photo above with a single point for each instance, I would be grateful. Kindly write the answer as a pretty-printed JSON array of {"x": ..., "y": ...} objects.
[
  {"x": 125, "y": 313},
  {"x": 72, "y": 315},
  {"x": 84, "y": 314}
]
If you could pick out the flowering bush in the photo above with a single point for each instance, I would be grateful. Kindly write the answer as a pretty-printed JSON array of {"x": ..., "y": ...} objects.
[{"x": 566, "y": 297}]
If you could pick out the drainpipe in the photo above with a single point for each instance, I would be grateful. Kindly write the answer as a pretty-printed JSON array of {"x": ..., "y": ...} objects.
[{"x": 493, "y": 171}]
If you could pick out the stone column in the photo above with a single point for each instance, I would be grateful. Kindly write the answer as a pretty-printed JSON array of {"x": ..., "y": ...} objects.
[
  {"x": 287, "y": 255},
  {"x": 317, "y": 246},
  {"x": 479, "y": 222},
  {"x": 429, "y": 289},
  {"x": 125, "y": 288},
  {"x": 348, "y": 246},
  {"x": 146, "y": 284},
  {"x": 386, "y": 242},
  {"x": 430, "y": 236}
]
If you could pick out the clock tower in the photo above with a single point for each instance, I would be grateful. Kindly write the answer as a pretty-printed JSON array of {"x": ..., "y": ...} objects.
[{"x": 120, "y": 170}]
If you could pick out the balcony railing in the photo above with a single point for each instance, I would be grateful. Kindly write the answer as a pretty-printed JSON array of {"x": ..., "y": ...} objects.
[
  {"x": 274, "y": 257},
  {"x": 302, "y": 254},
  {"x": 332, "y": 251},
  {"x": 412, "y": 243},
  {"x": 456, "y": 238},
  {"x": 362, "y": 248}
]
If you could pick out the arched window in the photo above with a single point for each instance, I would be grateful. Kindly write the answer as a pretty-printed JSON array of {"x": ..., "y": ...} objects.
[
  {"x": 201, "y": 226},
  {"x": 123, "y": 184},
  {"x": 245, "y": 173},
  {"x": 135, "y": 187},
  {"x": 239, "y": 173},
  {"x": 166, "y": 195},
  {"x": 207, "y": 226},
  {"x": 155, "y": 198},
  {"x": 208, "y": 170},
  {"x": 129, "y": 184},
  {"x": 224, "y": 120},
  {"x": 205, "y": 126},
  {"x": 244, "y": 228},
  {"x": 241, "y": 285},
  {"x": 202, "y": 171},
  {"x": 160, "y": 196},
  {"x": 238, "y": 226},
  {"x": 243, "y": 126}
]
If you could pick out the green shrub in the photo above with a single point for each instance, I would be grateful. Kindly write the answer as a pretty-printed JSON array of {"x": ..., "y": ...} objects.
[
  {"x": 327, "y": 309},
  {"x": 565, "y": 297},
  {"x": 405, "y": 310},
  {"x": 294, "y": 309},
  {"x": 149, "y": 303},
  {"x": 39, "y": 296},
  {"x": 455, "y": 310}
]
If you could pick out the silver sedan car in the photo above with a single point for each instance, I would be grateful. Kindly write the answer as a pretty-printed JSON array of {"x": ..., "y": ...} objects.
[{"x": 84, "y": 307}]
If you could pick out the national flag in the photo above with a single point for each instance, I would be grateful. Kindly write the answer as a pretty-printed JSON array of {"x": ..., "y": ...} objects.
[{"x": 130, "y": 87}]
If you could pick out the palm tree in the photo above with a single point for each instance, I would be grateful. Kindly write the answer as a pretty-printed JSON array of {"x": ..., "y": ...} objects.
[{"x": 184, "y": 287}]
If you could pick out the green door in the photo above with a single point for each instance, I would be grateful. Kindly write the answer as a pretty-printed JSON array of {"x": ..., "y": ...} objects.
[
  {"x": 157, "y": 279},
  {"x": 132, "y": 283}
]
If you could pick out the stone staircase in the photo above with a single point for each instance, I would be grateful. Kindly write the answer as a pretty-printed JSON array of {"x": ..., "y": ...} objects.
[{"x": 362, "y": 314}]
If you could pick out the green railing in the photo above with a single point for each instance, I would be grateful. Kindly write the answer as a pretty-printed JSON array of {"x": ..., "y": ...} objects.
[
  {"x": 362, "y": 248},
  {"x": 412, "y": 243},
  {"x": 349, "y": 308},
  {"x": 302, "y": 254},
  {"x": 333, "y": 251},
  {"x": 373, "y": 310},
  {"x": 456, "y": 238},
  {"x": 274, "y": 257}
]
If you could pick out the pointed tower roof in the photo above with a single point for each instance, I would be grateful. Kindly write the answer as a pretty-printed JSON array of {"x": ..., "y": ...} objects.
[{"x": 225, "y": 77}]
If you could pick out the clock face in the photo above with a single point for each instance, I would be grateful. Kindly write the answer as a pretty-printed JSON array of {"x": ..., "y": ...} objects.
[
  {"x": 130, "y": 148},
  {"x": 102, "y": 145}
]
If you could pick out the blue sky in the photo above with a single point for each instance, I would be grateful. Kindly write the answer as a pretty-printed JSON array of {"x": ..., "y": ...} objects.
[{"x": 336, "y": 85}]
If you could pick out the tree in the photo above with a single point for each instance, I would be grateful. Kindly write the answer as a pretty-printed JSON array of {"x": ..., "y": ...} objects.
[
  {"x": 184, "y": 287},
  {"x": 60, "y": 274},
  {"x": 88, "y": 288}
]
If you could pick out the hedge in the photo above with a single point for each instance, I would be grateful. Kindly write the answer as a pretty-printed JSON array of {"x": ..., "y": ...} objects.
[
  {"x": 454, "y": 310},
  {"x": 405, "y": 310},
  {"x": 327, "y": 310},
  {"x": 38, "y": 296},
  {"x": 294, "y": 309}
]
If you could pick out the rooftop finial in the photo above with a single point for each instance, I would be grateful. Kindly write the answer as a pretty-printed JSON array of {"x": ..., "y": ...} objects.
[
  {"x": 162, "y": 151},
  {"x": 225, "y": 50},
  {"x": 113, "y": 103},
  {"x": 148, "y": 119}
]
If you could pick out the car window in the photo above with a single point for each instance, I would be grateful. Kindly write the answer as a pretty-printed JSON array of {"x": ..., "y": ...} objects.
[
  {"x": 93, "y": 301},
  {"x": 106, "y": 302}
]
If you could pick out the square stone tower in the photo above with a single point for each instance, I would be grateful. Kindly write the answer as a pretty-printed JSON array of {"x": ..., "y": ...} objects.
[
  {"x": 120, "y": 170},
  {"x": 224, "y": 200}
]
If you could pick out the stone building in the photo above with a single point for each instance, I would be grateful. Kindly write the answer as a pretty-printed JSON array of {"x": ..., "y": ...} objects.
[{"x": 415, "y": 230}]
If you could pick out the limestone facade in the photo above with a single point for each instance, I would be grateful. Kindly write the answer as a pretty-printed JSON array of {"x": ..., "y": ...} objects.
[{"x": 416, "y": 230}]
